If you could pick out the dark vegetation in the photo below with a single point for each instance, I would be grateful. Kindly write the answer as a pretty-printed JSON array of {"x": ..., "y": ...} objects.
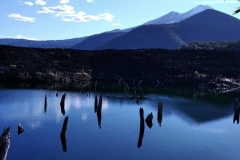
[
  {"x": 233, "y": 46},
  {"x": 168, "y": 67}
]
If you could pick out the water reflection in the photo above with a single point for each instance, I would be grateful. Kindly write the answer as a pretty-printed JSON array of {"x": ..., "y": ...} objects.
[
  {"x": 64, "y": 143},
  {"x": 180, "y": 117},
  {"x": 99, "y": 117},
  {"x": 159, "y": 116},
  {"x": 63, "y": 134},
  {"x": 63, "y": 109},
  {"x": 142, "y": 127},
  {"x": 236, "y": 111},
  {"x": 45, "y": 104},
  {"x": 99, "y": 109},
  {"x": 236, "y": 117}
]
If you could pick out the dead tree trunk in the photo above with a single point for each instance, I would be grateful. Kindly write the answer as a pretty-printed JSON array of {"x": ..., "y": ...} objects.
[
  {"x": 4, "y": 143},
  {"x": 63, "y": 99},
  {"x": 142, "y": 127}
]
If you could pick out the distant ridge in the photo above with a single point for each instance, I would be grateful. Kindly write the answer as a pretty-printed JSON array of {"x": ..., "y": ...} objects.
[
  {"x": 97, "y": 40},
  {"x": 42, "y": 44}
]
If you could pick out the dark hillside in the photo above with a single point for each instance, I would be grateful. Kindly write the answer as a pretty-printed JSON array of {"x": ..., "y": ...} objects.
[{"x": 169, "y": 67}]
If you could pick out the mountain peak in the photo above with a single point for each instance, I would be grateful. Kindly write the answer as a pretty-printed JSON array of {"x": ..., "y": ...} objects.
[
  {"x": 173, "y": 17},
  {"x": 202, "y": 7}
]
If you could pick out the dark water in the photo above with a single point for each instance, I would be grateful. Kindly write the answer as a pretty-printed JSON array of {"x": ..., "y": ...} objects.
[{"x": 190, "y": 128}]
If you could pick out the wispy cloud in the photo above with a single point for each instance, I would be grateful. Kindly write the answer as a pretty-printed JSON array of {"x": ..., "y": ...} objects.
[
  {"x": 58, "y": 10},
  {"x": 40, "y": 2},
  {"x": 64, "y": 1},
  {"x": 116, "y": 24},
  {"x": 67, "y": 13},
  {"x": 19, "y": 17},
  {"x": 83, "y": 17},
  {"x": 89, "y": 0},
  {"x": 28, "y": 3}
]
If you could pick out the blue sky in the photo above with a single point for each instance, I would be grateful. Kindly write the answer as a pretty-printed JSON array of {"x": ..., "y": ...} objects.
[{"x": 64, "y": 19}]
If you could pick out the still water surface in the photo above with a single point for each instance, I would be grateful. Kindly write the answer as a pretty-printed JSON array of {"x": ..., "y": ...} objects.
[{"x": 190, "y": 128}]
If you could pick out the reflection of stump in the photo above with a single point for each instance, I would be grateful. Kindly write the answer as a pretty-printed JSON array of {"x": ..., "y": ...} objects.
[
  {"x": 99, "y": 116},
  {"x": 159, "y": 117},
  {"x": 45, "y": 104},
  {"x": 236, "y": 117},
  {"x": 63, "y": 109},
  {"x": 137, "y": 100},
  {"x": 64, "y": 127},
  {"x": 160, "y": 108},
  {"x": 4, "y": 143},
  {"x": 159, "y": 120},
  {"x": 142, "y": 127},
  {"x": 64, "y": 143}
]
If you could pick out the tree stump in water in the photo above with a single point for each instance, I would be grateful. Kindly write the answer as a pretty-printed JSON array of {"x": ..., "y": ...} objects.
[
  {"x": 142, "y": 127},
  {"x": 20, "y": 129},
  {"x": 63, "y": 99},
  {"x": 4, "y": 143}
]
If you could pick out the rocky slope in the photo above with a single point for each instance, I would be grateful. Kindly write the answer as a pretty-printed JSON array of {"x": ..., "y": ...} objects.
[{"x": 168, "y": 67}]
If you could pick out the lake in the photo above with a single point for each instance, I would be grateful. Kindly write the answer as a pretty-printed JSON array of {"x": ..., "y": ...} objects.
[{"x": 191, "y": 128}]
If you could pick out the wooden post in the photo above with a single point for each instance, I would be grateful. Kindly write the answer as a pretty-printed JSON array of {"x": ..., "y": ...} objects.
[
  {"x": 95, "y": 103},
  {"x": 62, "y": 103},
  {"x": 142, "y": 127},
  {"x": 134, "y": 93},
  {"x": 20, "y": 129},
  {"x": 63, "y": 99},
  {"x": 95, "y": 85},
  {"x": 100, "y": 102},
  {"x": 148, "y": 120},
  {"x": 4, "y": 143}
]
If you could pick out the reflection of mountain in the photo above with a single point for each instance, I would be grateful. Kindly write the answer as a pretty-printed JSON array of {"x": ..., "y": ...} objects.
[
  {"x": 203, "y": 112},
  {"x": 195, "y": 111}
]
